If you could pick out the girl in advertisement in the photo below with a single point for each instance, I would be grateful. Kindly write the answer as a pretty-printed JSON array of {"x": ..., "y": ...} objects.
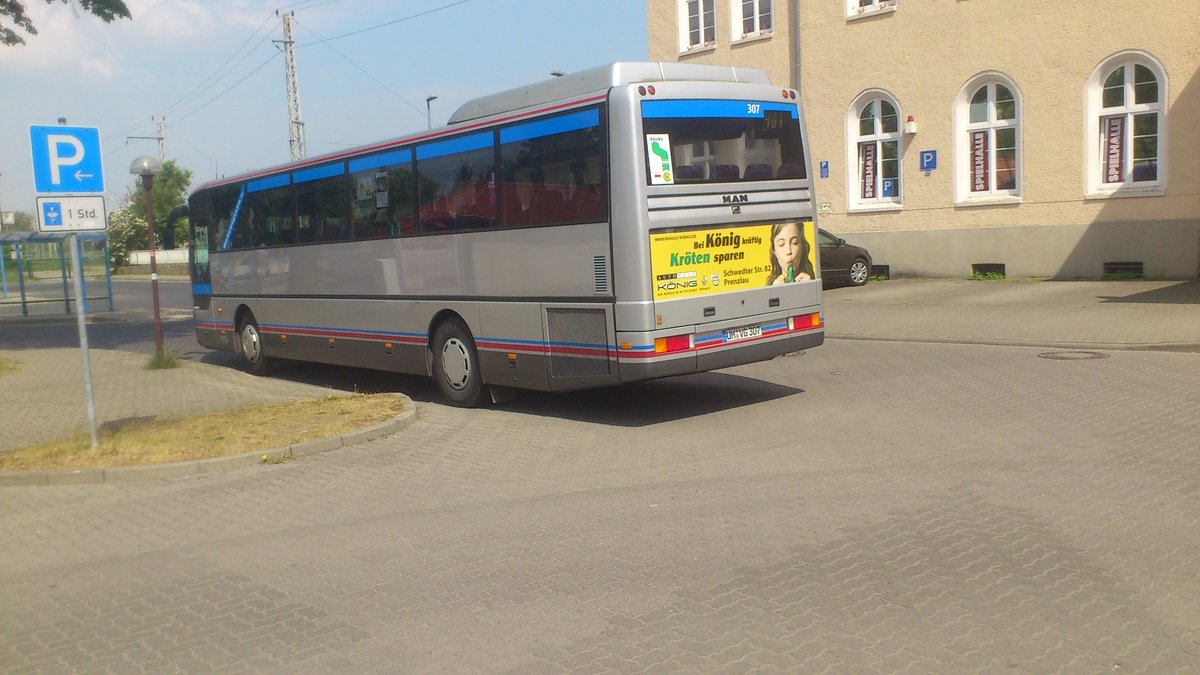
[{"x": 789, "y": 254}]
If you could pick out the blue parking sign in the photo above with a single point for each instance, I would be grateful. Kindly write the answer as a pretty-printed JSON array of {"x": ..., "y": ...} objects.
[{"x": 66, "y": 160}]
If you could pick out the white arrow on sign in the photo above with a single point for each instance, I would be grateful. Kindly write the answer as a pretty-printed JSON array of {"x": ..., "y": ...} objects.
[{"x": 80, "y": 175}]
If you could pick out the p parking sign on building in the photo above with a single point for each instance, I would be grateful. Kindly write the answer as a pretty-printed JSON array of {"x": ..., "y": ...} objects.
[{"x": 67, "y": 160}]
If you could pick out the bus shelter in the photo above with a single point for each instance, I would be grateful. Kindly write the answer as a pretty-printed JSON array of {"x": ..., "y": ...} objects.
[{"x": 15, "y": 252}]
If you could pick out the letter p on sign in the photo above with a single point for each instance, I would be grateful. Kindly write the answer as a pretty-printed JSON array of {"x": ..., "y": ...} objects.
[{"x": 67, "y": 160}]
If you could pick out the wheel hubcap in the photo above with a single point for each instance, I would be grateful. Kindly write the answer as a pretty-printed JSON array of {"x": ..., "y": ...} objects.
[
  {"x": 858, "y": 272},
  {"x": 456, "y": 363},
  {"x": 250, "y": 347}
]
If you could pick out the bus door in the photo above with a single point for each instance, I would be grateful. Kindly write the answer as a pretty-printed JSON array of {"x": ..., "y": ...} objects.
[{"x": 201, "y": 277}]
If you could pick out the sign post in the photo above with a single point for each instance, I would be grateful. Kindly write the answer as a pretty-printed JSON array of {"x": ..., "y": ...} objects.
[{"x": 68, "y": 166}]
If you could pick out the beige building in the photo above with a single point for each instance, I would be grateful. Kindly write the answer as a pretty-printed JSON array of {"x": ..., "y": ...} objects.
[{"x": 950, "y": 136}]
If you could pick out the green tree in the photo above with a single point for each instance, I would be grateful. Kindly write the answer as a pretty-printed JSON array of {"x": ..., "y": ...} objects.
[
  {"x": 14, "y": 11},
  {"x": 170, "y": 190}
]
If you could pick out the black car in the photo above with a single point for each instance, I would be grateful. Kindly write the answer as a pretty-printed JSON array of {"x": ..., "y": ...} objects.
[{"x": 842, "y": 262}]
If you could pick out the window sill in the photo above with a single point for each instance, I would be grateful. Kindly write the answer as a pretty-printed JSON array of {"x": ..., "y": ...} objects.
[
  {"x": 1121, "y": 193},
  {"x": 871, "y": 11},
  {"x": 998, "y": 200},
  {"x": 875, "y": 208},
  {"x": 704, "y": 49},
  {"x": 755, "y": 37}
]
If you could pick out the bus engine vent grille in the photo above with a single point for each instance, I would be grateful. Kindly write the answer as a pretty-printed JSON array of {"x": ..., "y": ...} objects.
[
  {"x": 600, "y": 269},
  {"x": 581, "y": 330}
]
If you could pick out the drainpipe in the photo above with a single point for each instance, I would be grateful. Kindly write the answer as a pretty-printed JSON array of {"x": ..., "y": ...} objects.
[{"x": 794, "y": 40}]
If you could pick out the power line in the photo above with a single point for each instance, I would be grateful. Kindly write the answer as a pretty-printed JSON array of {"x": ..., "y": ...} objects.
[
  {"x": 360, "y": 68},
  {"x": 228, "y": 89},
  {"x": 388, "y": 23}
]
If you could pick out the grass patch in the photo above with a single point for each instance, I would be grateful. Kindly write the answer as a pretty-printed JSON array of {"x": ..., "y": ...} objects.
[
  {"x": 7, "y": 366},
  {"x": 878, "y": 277},
  {"x": 988, "y": 276},
  {"x": 162, "y": 360},
  {"x": 1122, "y": 276},
  {"x": 148, "y": 440}
]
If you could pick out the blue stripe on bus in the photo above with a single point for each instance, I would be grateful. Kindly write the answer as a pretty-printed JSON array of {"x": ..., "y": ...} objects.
[
  {"x": 268, "y": 183},
  {"x": 711, "y": 108},
  {"x": 584, "y": 119},
  {"x": 318, "y": 172},
  {"x": 233, "y": 220},
  {"x": 460, "y": 144},
  {"x": 201, "y": 289},
  {"x": 402, "y": 156}
]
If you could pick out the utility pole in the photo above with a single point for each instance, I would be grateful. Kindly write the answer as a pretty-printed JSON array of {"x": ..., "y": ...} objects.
[
  {"x": 162, "y": 143},
  {"x": 295, "y": 124}
]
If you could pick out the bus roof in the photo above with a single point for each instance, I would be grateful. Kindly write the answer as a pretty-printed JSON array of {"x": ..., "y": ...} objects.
[
  {"x": 599, "y": 79},
  {"x": 569, "y": 86}
]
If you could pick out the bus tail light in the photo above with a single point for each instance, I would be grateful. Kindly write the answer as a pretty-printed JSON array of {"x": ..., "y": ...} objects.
[
  {"x": 675, "y": 343},
  {"x": 806, "y": 321}
]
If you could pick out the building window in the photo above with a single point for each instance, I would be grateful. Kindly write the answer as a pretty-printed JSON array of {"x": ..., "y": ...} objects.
[
  {"x": 857, "y": 8},
  {"x": 750, "y": 18},
  {"x": 697, "y": 24},
  {"x": 874, "y": 126},
  {"x": 987, "y": 118},
  {"x": 1127, "y": 126}
]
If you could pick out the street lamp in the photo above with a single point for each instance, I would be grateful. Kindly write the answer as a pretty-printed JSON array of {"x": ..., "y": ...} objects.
[
  {"x": 148, "y": 167},
  {"x": 428, "y": 116}
]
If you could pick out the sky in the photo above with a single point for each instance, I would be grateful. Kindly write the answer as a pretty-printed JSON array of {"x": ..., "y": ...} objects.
[{"x": 213, "y": 72}]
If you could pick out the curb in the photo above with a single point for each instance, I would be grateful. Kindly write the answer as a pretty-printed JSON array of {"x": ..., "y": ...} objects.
[
  {"x": 1177, "y": 347},
  {"x": 201, "y": 466}
]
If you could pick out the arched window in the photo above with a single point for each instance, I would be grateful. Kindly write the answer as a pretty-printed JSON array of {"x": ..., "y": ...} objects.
[
  {"x": 987, "y": 145},
  {"x": 874, "y": 129},
  {"x": 1126, "y": 144}
]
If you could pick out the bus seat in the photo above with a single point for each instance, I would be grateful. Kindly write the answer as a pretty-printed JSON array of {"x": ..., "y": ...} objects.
[
  {"x": 726, "y": 172},
  {"x": 790, "y": 171},
  {"x": 759, "y": 172},
  {"x": 689, "y": 172}
]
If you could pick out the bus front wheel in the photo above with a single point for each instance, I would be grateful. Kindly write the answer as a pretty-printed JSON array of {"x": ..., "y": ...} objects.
[
  {"x": 456, "y": 365},
  {"x": 250, "y": 344}
]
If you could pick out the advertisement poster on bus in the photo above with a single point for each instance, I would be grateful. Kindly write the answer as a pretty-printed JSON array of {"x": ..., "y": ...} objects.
[
  {"x": 658, "y": 149},
  {"x": 701, "y": 262}
]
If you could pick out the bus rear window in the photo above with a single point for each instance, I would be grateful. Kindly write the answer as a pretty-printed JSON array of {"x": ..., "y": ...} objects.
[{"x": 721, "y": 141}]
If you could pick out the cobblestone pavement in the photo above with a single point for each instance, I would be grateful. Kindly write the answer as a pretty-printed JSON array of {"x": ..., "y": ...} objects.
[{"x": 864, "y": 507}]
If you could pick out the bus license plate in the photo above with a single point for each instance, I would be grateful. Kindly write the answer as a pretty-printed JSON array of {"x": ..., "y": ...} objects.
[{"x": 743, "y": 333}]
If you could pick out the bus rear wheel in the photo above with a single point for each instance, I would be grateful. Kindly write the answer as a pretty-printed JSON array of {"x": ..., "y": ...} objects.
[
  {"x": 456, "y": 365},
  {"x": 251, "y": 347}
]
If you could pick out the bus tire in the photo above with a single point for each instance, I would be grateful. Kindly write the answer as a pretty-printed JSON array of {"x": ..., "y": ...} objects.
[
  {"x": 456, "y": 365},
  {"x": 251, "y": 346}
]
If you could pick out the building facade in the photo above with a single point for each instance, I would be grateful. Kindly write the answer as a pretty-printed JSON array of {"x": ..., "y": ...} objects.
[{"x": 1031, "y": 138}]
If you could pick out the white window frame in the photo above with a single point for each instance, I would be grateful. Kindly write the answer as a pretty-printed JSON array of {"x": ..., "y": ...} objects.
[
  {"x": 1093, "y": 168},
  {"x": 685, "y": 43},
  {"x": 963, "y": 128},
  {"x": 859, "y": 9},
  {"x": 737, "y": 27},
  {"x": 854, "y": 199}
]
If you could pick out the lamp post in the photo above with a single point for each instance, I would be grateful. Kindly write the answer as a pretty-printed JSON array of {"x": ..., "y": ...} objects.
[
  {"x": 148, "y": 167},
  {"x": 428, "y": 115}
]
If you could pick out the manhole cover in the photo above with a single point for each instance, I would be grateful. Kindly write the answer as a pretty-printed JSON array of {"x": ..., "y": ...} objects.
[{"x": 1072, "y": 356}]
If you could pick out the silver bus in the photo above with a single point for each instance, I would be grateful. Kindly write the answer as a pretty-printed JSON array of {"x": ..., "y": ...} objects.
[{"x": 633, "y": 221}]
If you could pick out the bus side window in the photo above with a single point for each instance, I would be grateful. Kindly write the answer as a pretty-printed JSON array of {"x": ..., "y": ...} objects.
[
  {"x": 553, "y": 169},
  {"x": 382, "y": 201},
  {"x": 321, "y": 210}
]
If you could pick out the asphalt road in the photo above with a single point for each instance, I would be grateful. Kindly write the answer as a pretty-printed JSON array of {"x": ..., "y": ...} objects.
[{"x": 863, "y": 507}]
